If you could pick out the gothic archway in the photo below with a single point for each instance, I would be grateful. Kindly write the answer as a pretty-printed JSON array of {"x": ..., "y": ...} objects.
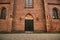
[
  {"x": 29, "y": 17},
  {"x": 29, "y": 23}
]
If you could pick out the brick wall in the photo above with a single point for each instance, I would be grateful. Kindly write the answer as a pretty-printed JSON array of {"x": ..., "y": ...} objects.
[{"x": 16, "y": 14}]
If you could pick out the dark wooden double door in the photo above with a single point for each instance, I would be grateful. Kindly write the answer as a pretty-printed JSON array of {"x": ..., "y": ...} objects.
[{"x": 29, "y": 25}]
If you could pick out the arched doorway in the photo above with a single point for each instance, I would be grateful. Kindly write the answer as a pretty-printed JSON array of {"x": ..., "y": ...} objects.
[{"x": 29, "y": 23}]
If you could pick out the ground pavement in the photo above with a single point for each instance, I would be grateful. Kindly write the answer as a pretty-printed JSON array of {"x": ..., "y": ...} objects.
[{"x": 28, "y": 36}]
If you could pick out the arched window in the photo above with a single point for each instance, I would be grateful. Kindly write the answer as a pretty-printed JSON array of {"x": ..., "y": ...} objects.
[
  {"x": 3, "y": 13},
  {"x": 28, "y": 3},
  {"x": 55, "y": 13}
]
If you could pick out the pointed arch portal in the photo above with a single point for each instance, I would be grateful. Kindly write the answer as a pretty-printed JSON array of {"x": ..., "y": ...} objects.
[{"x": 29, "y": 23}]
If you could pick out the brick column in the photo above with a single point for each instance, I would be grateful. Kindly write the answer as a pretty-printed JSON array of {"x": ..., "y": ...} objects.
[
  {"x": 11, "y": 15},
  {"x": 47, "y": 14}
]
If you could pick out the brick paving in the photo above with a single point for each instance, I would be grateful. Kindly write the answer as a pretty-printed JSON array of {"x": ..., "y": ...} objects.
[{"x": 31, "y": 36}]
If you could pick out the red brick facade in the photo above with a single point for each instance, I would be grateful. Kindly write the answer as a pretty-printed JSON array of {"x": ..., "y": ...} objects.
[{"x": 41, "y": 12}]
